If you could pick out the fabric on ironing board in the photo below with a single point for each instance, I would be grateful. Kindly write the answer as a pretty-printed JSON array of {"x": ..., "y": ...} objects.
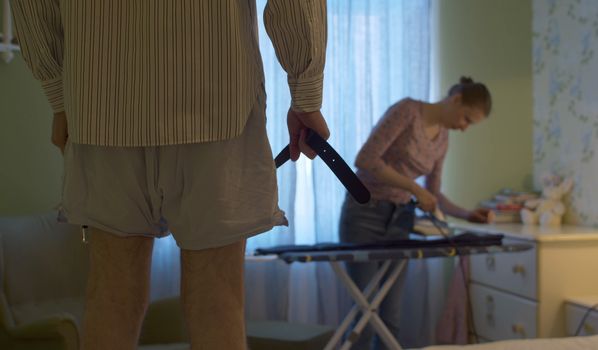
[{"x": 464, "y": 239}]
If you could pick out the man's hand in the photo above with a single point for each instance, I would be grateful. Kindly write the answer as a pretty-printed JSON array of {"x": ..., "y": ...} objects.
[
  {"x": 298, "y": 123},
  {"x": 59, "y": 131}
]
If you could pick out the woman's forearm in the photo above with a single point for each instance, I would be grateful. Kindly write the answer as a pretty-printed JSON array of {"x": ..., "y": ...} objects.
[
  {"x": 451, "y": 208},
  {"x": 385, "y": 173}
]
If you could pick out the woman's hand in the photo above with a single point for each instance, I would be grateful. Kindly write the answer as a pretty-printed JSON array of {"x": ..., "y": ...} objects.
[
  {"x": 427, "y": 201},
  {"x": 60, "y": 131},
  {"x": 481, "y": 215}
]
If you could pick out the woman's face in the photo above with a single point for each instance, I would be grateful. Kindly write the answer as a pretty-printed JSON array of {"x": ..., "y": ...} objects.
[{"x": 460, "y": 116}]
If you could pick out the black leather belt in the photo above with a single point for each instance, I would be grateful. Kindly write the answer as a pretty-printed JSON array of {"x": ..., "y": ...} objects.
[{"x": 334, "y": 161}]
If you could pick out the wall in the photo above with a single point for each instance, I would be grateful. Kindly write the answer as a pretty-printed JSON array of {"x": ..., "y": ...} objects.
[
  {"x": 490, "y": 41},
  {"x": 566, "y": 100},
  {"x": 31, "y": 167}
]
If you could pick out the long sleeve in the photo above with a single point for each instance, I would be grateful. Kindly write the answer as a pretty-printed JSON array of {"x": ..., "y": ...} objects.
[
  {"x": 40, "y": 33},
  {"x": 298, "y": 30},
  {"x": 396, "y": 120}
]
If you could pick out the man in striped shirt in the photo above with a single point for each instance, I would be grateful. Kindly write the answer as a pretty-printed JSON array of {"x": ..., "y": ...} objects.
[{"x": 159, "y": 110}]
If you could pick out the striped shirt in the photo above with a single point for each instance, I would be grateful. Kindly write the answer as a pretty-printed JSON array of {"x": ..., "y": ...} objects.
[{"x": 162, "y": 72}]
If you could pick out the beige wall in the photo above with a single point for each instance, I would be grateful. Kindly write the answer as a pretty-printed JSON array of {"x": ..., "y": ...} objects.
[
  {"x": 490, "y": 41},
  {"x": 30, "y": 168}
]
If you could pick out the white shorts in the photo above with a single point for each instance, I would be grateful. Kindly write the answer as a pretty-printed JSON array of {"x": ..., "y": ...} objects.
[{"x": 206, "y": 194}]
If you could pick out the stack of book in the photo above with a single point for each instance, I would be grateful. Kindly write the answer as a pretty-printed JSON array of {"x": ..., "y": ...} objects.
[{"x": 507, "y": 204}]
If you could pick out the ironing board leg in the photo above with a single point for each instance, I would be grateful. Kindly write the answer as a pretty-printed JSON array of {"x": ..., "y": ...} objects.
[
  {"x": 387, "y": 337},
  {"x": 369, "y": 289},
  {"x": 368, "y": 309}
]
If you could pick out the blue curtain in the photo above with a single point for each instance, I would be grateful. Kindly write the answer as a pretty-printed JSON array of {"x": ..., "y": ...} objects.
[{"x": 378, "y": 52}]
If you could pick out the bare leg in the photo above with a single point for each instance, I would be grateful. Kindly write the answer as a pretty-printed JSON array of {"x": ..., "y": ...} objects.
[
  {"x": 117, "y": 291},
  {"x": 213, "y": 297}
]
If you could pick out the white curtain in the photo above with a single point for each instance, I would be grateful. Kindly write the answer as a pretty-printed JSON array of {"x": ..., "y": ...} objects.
[{"x": 379, "y": 51}]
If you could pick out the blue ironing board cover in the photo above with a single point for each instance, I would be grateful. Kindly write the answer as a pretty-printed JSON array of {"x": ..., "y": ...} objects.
[
  {"x": 468, "y": 243},
  {"x": 365, "y": 255}
]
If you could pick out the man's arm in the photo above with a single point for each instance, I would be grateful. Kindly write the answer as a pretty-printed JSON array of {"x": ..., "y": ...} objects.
[
  {"x": 39, "y": 30},
  {"x": 298, "y": 31}
]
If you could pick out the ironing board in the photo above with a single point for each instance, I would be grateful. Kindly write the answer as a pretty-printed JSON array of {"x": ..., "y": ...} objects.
[{"x": 368, "y": 300}]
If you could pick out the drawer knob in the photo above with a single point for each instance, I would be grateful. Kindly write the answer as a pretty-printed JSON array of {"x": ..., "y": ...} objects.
[
  {"x": 489, "y": 307},
  {"x": 588, "y": 328},
  {"x": 519, "y": 269},
  {"x": 518, "y": 329},
  {"x": 490, "y": 263}
]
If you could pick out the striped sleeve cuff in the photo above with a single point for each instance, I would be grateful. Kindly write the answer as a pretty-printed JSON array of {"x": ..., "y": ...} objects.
[
  {"x": 306, "y": 93},
  {"x": 53, "y": 89}
]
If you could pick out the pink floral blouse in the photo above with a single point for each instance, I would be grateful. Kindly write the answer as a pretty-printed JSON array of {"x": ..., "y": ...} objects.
[{"x": 399, "y": 140}]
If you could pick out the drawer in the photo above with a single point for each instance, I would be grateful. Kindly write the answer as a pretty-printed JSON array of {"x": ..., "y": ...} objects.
[
  {"x": 512, "y": 272},
  {"x": 499, "y": 315},
  {"x": 573, "y": 316},
  {"x": 480, "y": 340}
]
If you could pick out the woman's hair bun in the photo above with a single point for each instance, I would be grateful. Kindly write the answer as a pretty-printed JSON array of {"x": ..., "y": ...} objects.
[
  {"x": 472, "y": 94},
  {"x": 466, "y": 80}
]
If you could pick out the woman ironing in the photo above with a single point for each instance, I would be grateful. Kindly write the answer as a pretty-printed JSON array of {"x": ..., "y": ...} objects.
[{"x": 410, "y": 140}]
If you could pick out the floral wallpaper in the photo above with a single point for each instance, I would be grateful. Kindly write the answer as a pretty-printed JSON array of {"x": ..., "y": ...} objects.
[{"x": 565, "y": 68}]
